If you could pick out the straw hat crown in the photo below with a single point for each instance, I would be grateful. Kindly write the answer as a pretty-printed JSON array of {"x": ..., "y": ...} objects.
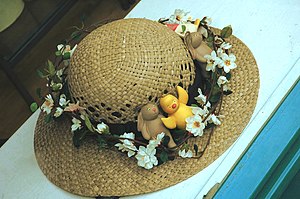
[{"x": 127, "y": 63}]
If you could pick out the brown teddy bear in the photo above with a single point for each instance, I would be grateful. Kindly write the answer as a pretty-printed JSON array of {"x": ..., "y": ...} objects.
[{"x": 150, "y": 124}]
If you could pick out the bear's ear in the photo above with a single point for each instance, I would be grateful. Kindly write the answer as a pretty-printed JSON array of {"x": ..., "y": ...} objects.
[{"x": 140, "y": 121}]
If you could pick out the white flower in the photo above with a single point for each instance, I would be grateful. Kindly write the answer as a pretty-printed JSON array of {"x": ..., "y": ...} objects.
[
  {"x": 212, "y": 61},
  {"x": 66, "y": 49},
  {"x": 63, "y": 100},
  {"x": 58, "y": 112},
  {"x": 225, "y": 46},
  {"x": 222, "y": 80},
  {"x": 146, "y": 157},
  {"x": 184, "y": 154},
  {"x": 178, "y": 16},
  {"x": 101, "y": 128},
  {"x": 201, "y": 99},
  {"x": 154, "y": 143},
  {"x": 60, "y": 47},
  {"x": 225, "y": 87},
  {"x": 195, "y": 125},
  {"x": 206, "y": 111},
  {"x": 220, "y": 52},
  {"x": 214, "y": 119},
  {"x": 56, "y": 86},
  {"x": 76, "y": 124},
  {"x": 48, "y": 104},
  {"x": 198, "y": 111},
  {"x": 59, "y": 73},
  {"x": 228, "y": 62},
  {"x": 207, "y": 105},
  {"x": 73, "y": 50},
  {"x": 127, "y": 145}
]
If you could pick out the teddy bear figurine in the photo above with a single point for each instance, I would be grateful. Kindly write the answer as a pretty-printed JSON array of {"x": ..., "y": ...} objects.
[
  {"x": 177, "y": 109},
  {"x": 150, "y": 125},
  {"x": 197, "y": 47}
]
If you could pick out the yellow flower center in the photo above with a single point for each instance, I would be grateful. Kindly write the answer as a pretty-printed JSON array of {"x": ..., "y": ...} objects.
[
  {"x": 227, "y": 63},
  {"x": 178, "y": 17},
  {"x": 47, "y": 103},
  {"x": 197, "y": 124}
]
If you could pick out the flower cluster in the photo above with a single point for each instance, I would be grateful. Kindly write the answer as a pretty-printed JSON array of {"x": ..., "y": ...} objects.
[
  {"x": 145, "y": 155},
  {"x": 219, "y": 64}
]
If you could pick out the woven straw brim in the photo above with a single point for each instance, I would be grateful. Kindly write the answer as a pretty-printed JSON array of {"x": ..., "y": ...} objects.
[{"x": 89, "y": 171}]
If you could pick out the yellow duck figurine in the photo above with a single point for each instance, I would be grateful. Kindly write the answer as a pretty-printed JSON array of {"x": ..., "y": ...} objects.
[{"x": 177, "y": 109}]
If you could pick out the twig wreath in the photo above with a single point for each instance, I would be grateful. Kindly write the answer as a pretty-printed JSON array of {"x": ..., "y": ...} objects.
[{"x": 205, "y": 47}]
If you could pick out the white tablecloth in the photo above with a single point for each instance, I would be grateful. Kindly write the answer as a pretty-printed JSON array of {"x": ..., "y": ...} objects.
[{"x": 269, "y": 28}]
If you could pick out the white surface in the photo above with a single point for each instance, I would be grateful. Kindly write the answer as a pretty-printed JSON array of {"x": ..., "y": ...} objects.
[{"x": 270, "y": 29}]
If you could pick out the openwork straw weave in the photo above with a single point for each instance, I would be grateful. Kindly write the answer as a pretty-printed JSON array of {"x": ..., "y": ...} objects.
[
  {"x": 127, "y": 63},
  {"x": 89, "y": 171}
]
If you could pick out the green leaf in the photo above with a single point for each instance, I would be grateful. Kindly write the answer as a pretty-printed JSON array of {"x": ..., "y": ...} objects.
[
  {"x": 76, "y": 34},
  {"x": 226, "y": 32},
  {"x": 56, "y": 87},
  {"x": 33, "y": 107},
  {"x": 196, "y": 149},
  {"x": 216, "y": 90},
  {"x": 67, "y": 55},
  {"x": 194, "y": 105},
  {"x": 101, "y": 142},
  {"x": 48, "y": 118},
  {"x": 88, "y": 123},
  {"x": 165, "y": 140},
  {"x": 215, "y": 98},
  {"x": 78, "y": 136},
  {"x": 185, "y": 147},
  {"x": 183, "y": 28},
  {"x": 210, "y": 44},
  {"x": 164, "y": 156},
  {"x": 83, "y": 18},
  {"x": 214, "y": 76},
  {"x": 58, "y": 53},
  {"x": 210, "y": 38},
  {"x": 51, "y": 68},
  {"x": 228, "y": 76},
  {"x": 40, "y": 73},
  {"x": 219, "y": 70},
  {"x": 178, "y": 131},
  {"x": 106, "y": 130},
  {"x": 209, "y": 125}
]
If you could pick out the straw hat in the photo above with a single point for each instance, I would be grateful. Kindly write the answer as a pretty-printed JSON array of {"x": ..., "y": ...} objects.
[{"x": 115, "y": 68}]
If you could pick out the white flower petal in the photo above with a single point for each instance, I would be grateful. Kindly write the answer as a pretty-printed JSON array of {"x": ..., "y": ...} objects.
[
  {"x": 101, "y": 127},
  {"x": 184, "y": 154},
  {"x": 58, "y": 112},
  {"x": 222, "y": 80},
  {"x": 225, "y": 46},
  {"x": 48, "y": 104}
]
